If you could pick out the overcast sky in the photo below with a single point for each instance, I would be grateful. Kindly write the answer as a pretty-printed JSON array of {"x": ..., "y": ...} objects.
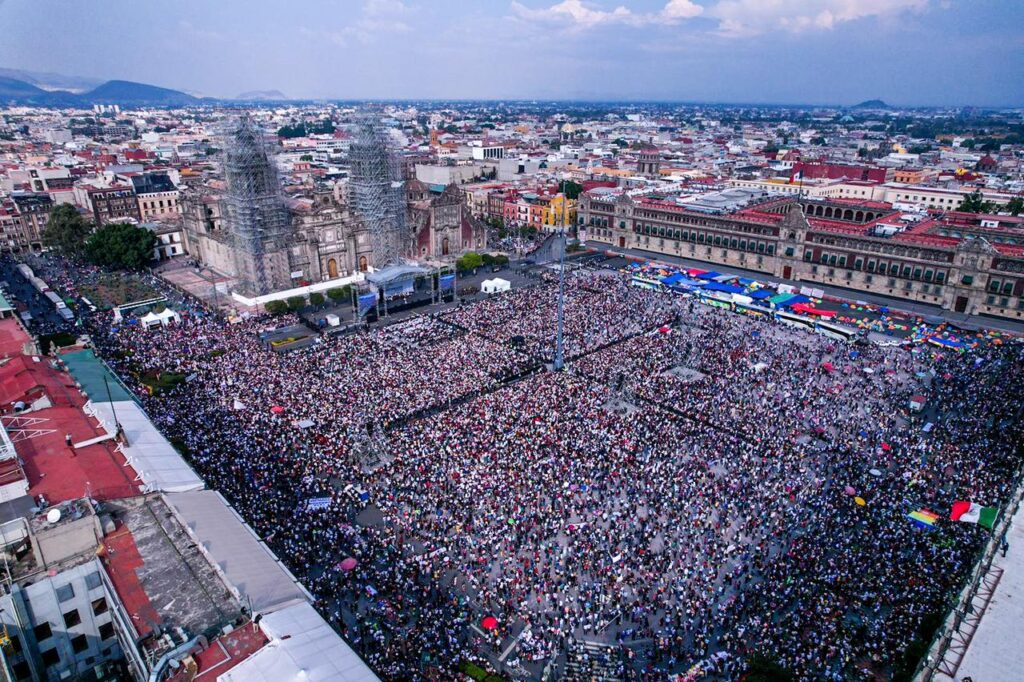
[{"x": 910, "y": 52}]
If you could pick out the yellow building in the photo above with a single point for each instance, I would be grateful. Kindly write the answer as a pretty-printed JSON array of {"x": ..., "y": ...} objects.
[{"x": 559, "y": 211}]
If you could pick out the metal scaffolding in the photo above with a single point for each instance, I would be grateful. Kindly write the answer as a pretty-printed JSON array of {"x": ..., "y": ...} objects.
[
  {"x": 255, "y": 212},
  {"x": 378, "y": 193}
]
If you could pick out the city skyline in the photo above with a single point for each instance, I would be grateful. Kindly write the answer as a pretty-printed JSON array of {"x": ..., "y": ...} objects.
[{"x": 906, "y": 52}]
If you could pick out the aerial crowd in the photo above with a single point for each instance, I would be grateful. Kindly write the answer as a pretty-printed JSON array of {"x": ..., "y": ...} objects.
[{"x": 699, "y": 487}]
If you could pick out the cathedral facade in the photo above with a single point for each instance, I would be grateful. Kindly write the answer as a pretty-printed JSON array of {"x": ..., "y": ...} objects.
[{"x": 327, "y": 239}]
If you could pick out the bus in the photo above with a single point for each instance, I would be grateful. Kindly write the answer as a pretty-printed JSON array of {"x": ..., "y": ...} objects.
[
  {"x": 834, "y": 330},
  {"x": 794, "y": 320}
]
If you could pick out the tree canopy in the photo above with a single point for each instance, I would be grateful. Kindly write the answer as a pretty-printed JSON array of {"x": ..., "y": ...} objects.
[
  {"x": 121, "y": 246},
  {"x": 66, "y": 230},
  {"x": 469, "y": 261},
  {"x": 975, "y": 203},
  {"x": 572, "y": 189}
]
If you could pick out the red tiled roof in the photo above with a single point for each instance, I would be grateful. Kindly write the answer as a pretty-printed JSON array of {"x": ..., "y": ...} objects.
[{"x": 12, "y": 337}]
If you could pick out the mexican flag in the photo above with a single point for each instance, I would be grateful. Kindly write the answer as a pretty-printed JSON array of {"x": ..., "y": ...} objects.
[{"x": 969, "y": 512}]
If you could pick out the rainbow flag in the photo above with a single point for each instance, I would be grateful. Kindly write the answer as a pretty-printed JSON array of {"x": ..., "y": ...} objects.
[{"x": 923, "y": 518}]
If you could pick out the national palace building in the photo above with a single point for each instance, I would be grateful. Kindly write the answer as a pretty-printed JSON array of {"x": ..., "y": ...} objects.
[{"x": 962, "y": 262}]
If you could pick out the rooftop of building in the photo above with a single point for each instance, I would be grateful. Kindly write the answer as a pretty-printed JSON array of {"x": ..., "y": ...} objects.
[{"x": 161, "y": 576}]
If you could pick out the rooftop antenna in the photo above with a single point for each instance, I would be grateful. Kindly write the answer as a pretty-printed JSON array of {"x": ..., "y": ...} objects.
[{"x": 559, "y": 362}]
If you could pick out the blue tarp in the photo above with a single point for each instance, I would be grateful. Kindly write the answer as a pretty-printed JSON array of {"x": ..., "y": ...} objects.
[
  {"x": 793, "y": 301},
  {"x": 687, "y": 282},
  {"x": 948, "y": 343},
  {"x": 672, "y": 279},
  {"x": 709, "y": 275},
  {"x": 746, "y": 281},
  {"x": 760, "y": 294},
  {"x": 726, "y": 288}
]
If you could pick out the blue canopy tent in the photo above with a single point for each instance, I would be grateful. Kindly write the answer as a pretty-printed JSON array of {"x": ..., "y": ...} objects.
[
  {"x": 724, "y": 288},
  {"x": 760, "y": 294},
  {"x": 709, "y": 275}
]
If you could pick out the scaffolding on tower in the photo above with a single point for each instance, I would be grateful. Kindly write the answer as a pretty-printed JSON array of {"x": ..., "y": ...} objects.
[
  {"x": 378, "y": 192},
  {"x": 256, "y": 215}
]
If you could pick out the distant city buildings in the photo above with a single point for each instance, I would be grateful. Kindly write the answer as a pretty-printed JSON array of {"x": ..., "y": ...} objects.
[{"x": 466, "y": 175}]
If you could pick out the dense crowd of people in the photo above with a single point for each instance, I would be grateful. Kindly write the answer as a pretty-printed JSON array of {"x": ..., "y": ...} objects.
[{"x": 690, "y": 488}]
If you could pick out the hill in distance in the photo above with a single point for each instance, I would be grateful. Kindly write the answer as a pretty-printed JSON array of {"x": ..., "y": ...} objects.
[
  {"x": 118, "y": 92},
  {"x": 262, "y": 96},
  {"x": 871, "y": 104},
  {"x": 125, "y": 93}
]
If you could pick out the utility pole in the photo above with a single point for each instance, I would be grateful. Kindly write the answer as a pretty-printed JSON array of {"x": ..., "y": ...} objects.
[{"x": 559, "y": 349}]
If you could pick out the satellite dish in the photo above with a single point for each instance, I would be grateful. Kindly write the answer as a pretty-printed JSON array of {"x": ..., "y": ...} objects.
[{"x": 53, "y": 516}]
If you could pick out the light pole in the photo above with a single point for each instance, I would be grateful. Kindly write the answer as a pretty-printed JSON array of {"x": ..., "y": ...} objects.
[{"x": 559, "y": 362}]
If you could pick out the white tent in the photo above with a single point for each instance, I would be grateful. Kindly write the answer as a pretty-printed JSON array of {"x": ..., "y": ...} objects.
[
  {"x": 495, "y": 286},
  {"x": 302, "y": 647},
  {"x": 161, "y": 319}
]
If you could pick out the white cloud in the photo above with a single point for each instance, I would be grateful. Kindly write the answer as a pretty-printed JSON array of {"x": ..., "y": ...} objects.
[
  {"x": 575, "y": 15},
  {"x": 378, "y": 17},
  {"x": 739, "y": 18}
]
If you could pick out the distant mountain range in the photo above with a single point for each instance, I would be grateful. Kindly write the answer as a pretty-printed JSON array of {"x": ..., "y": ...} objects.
[
  {"x": 262, "y": 96},
  {"x": 46, "y": 80},
  {"x": 125, "y": 93}
]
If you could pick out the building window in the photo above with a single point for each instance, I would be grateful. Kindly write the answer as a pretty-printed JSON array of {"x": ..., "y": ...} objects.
[
  {"x": 940, "y": 277},
  {"x": 814, "y": 269},
  {"x": 50, "y": 657},
  {"x": 22, "y": 671},
  {"x": 42, "y": 631},
  {"x": 79, "y": 643},
  {"x": 65, "y": 592},
  {"x": 991, "y": 300},
  {"x": 106, "y": 631},
  {"x": 1004, "y": 301},
  {"x": 868, "y": 279},
  {"x": 808, "y": 255},
  {"x": 928, "y": 275},
  {"x": 993, "y": 285},
  {"x": 1007, "y": 288},
  {"x": 71, "y": 618},
  {"x": 968, "y": 280},
  {"x": 858, "y": 264}
]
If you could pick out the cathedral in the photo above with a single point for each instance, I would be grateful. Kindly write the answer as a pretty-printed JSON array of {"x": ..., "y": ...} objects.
[{"x": 327, "y": 239}]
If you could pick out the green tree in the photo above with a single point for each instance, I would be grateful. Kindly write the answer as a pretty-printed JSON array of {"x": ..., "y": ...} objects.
[
  {"x": 276, "y": 307},
  {"x": 572, "y": 189},
  {"x": 121, "y": 246},
  {"x": 316, "y": 298},
  {"x": 67, "y": 230},
  {"x": 975, "y": 203},
  {"x": 469, "y": 261},
  {"x": 306, "y": 157},
  {"x": 296, "y": 303},
  {"x": 337, "y": 294},
  {"x": 1015, "y": 206}
]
